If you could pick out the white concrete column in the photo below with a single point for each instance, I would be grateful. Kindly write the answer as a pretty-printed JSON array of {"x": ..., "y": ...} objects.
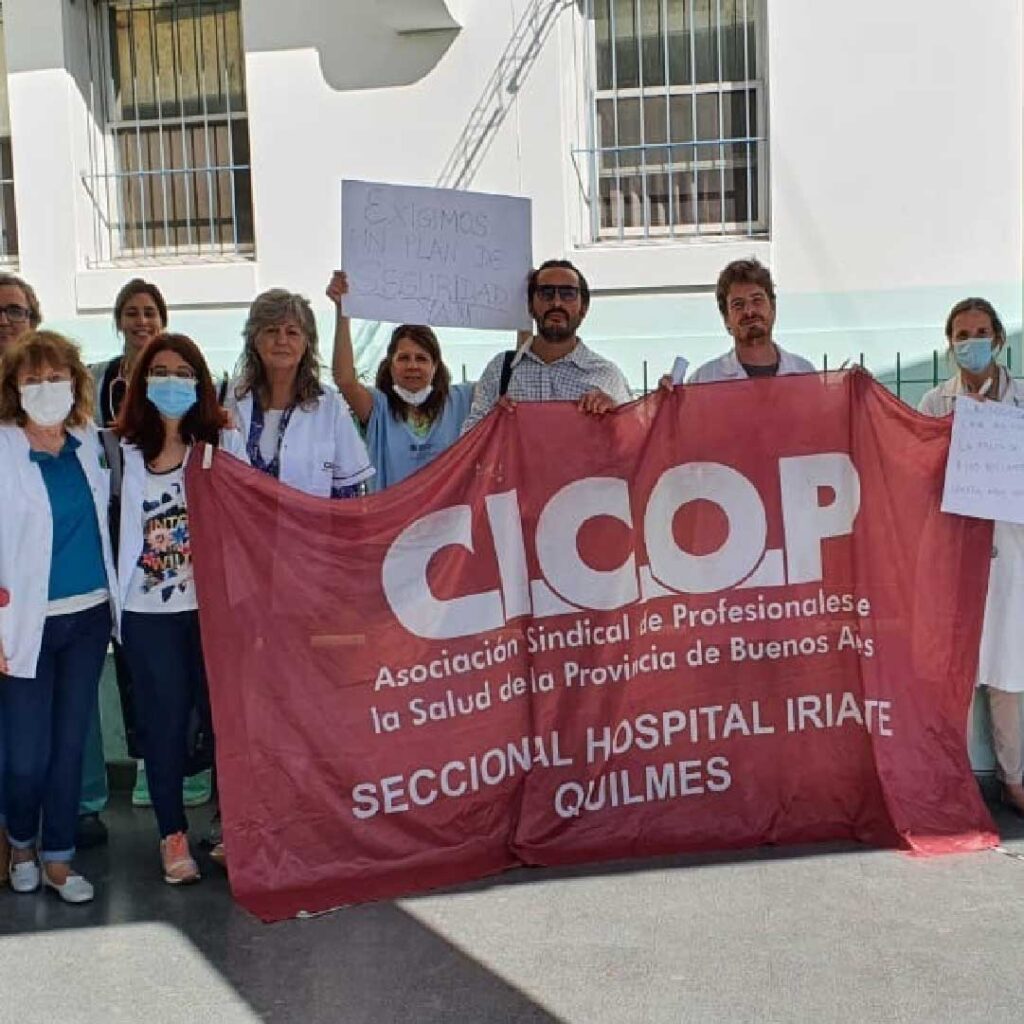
[{"x": 47, "y": 111}]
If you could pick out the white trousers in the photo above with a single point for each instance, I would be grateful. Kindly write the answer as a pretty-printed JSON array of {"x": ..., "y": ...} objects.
[{"x": 1004, "y": 711}]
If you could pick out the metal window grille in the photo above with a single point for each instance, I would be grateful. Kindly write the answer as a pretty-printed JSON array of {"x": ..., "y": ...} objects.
[
  {"x": 677, "y": 144},
  {"x": 8, "y": 213},
  {"x": 169, "y": 172}
]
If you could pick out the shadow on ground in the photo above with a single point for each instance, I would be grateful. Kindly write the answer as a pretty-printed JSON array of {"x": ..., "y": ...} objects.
[{"x": 371, "y": 963}]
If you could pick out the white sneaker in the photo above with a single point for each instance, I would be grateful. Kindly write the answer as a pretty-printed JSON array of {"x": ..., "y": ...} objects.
[
  {"x": 25, "y": 876},
  {"x": 74, "y": 890}
]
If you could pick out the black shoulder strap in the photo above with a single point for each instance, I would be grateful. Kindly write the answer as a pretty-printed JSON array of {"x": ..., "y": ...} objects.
[
  {"x": 506, "y": 372},
  {"x": 115, "y": 460},
  {"x": 222, "y": 391}
]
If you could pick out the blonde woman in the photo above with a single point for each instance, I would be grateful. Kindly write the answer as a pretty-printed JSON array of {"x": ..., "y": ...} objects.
[{"x": 975, "y": 336}]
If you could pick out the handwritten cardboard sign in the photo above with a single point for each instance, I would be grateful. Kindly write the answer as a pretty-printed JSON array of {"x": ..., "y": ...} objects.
[
  {"x": 433, "y": 256},
  {"x": 985, "y": 471}
]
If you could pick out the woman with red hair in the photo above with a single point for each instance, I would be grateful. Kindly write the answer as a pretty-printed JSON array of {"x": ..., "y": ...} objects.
[{"x": 171, "y": 405}]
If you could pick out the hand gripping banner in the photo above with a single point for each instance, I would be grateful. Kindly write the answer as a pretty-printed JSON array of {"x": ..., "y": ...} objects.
[{"x": 724, "y": 616}]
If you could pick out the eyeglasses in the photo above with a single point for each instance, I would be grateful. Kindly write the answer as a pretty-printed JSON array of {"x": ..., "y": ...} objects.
[
  {"x": 566, "y": 292},
  {"x": 15, "y": 313},
  {"x": 161, "y": 373},
  {"x": 756, "y": 301}
]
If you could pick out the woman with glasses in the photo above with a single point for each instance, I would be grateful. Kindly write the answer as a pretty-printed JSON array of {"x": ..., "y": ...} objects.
[
  {"x": 19, "y": 314},
  {"x": 414, "y": 412},
  {"x": 295, "y": 429},
  {"x": 975, "y": 336},
  {"x": 19, "y": 310},
  {"x": 57, "y": 574},
  {"x": 140, "y": 314},
  {"x": 171, "y": 404}
]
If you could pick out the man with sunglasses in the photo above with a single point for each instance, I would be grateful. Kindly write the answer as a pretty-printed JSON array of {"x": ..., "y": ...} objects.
[{"x": 553, "y": 365}]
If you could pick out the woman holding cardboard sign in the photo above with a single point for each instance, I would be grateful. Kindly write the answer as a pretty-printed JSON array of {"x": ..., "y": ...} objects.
[
  {"x": 414, "y": 412},
  {"x": 975, "y": 336}
]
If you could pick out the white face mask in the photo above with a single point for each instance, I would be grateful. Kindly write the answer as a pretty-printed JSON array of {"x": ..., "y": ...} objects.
[
  {"x": 414, "y": 398},
  {"x": 49, "y": 403}
]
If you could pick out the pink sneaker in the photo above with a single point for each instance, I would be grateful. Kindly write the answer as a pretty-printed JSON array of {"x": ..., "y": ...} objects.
[{"x": 179, "y": 867}]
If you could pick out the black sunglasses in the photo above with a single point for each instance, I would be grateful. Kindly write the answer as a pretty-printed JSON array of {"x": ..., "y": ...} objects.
[{"x": 566, "y": 292}]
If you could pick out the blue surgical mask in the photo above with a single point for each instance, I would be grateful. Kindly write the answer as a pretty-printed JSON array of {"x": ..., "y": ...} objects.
[
  {"x": 172, "y": 396},
  {"x": 973, "y": 354}
]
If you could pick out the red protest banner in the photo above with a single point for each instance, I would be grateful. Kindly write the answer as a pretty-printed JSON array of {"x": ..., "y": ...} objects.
[{"x": 721, "y": 617}]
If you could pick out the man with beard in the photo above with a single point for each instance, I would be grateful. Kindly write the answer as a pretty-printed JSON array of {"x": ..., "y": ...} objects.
[
  {"x": 553, "y": 365},
  {"x": 746, "y": 300}
]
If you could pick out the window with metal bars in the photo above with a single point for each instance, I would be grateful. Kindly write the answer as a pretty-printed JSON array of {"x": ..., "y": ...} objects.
[
  {"x": 677, "y": 145},
  {"x": 169, "y": 169},
  {"x": 8, "y": 213}
]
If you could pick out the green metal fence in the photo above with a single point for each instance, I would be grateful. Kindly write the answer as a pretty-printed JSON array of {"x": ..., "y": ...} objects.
[{"x": 906, "y": 380}]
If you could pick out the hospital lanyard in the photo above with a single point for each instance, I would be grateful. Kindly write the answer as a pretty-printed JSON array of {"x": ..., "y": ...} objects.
[{"x": 273, "y": 467}]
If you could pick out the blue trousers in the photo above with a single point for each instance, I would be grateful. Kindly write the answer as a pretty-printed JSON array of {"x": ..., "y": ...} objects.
[
  {"x": 45, "y": 721},
  {"x": 165, "y": 658},
  {"x": 3, "y": 765}
]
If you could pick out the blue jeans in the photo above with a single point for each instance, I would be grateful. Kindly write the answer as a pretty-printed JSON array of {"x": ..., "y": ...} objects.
[
  {"x": 3, "y": 765},
  {"x": 165, "y": 658},
  {"x": 45, "y": 721}
]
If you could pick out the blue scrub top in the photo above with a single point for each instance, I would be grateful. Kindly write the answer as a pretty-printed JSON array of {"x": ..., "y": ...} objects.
[
  {"x": 76, "y": 561},
  {"x": 396, "y": 451}
]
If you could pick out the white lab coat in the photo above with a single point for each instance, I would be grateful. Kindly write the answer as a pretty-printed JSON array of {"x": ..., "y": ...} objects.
[
  {"x": 1001, "y": 661},
  {"x": 26, "y": 541},
  {"x": 729, "y": 367},
  {"x": 321, "y": 447},
  {"x": 133, "y": 491}
]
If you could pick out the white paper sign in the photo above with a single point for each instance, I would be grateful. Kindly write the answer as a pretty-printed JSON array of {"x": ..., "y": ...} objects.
[
  {"x": 679, "y": 368},
  {"x": 441, "y": 257},
  {"x": 985, "y": 470}
]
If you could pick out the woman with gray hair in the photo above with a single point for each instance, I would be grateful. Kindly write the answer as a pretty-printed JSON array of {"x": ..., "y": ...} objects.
[{"x": 295, "y": 429}]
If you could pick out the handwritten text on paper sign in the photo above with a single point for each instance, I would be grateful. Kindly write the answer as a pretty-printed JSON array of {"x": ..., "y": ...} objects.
[
  {"x": 442, "y": 257},
  {"x": 985, "y": 471}
]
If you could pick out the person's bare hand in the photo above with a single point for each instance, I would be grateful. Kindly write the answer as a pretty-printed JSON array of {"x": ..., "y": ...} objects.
[
  {"x": 596, "y": 403},
  {"x": 666, "y": 382},
  {"x": 506, "y": 403},
  {"x": 338, "y": 287}
]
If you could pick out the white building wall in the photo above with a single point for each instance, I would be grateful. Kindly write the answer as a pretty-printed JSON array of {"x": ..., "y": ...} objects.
[
  {"x": 895, "y": 139},
  {"x": 895, "y": 168}
]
